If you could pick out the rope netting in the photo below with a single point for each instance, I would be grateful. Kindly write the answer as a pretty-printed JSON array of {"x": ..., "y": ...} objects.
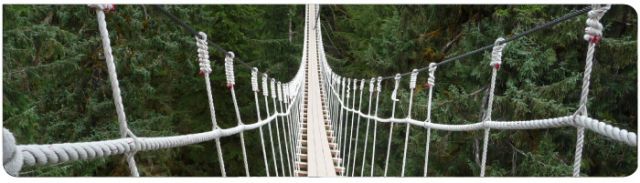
[{"x": 343, "y": 104}]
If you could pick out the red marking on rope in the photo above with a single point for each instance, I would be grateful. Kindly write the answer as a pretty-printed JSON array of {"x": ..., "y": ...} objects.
[
  {"x": 201, "y": 73},
  {"x": 113, "y": 8},
  {"x": 230, "y": 86},
  {"x": 427, "y": 85},
  {"x": 497, "y": 66},
  {"x": 595, "y": 39}
]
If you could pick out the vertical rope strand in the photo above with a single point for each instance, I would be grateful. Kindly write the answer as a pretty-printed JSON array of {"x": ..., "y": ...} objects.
[
  {"x": 265, "y": 93},
  {"x": 228, "y": 64},
  {"x": 496, "y": 61},
  {"x": 431, "y": 81},
  {"x": 255, "y": 88},
  {"x": 395, "y": 99},
  {"x": 115, "y": 85},
  {"x": 593, "y": 34},
  {"x": 412, "y": 86},
  {"x": 366, "y": 134},
  {"x": 355, "y": 149},
  {"x": 375, "y": 125}
]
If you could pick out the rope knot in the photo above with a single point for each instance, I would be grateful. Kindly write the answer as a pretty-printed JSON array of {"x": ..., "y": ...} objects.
[
  {"x": 373, "y": 80},
  {"x": 254, "y": 79},
  {"x": 273, "y": 88},
  {"x": 379, "y": 88},
  {"x": 593, "y": 31},
  {"x": 107, "y": 8},
  {"x": 431, "y": 81},
  {"x": 285, "y": 92},
  {"x": 203, "y": 54},
  {"x": 362, "y": 85},
  {"x": 496, "y": 54},
  {"x": 228, "y": 68},
  {"x": 414, "y": 77},
  {"x": 394, "y": 95},
  {"x": 279, "y": 88},
  {"x": 348, "y": 84},
  {"x": 265, "y": 90}
]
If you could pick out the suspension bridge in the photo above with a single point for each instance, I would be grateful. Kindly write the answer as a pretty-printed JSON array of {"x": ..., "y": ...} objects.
[{"x": 316, "y": 114}]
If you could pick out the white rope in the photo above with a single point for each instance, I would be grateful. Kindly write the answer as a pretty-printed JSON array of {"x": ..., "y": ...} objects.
[
  {"x": 203, "y": 53},
  {"x": 113, "y": 78},
  {"x": 344, "y": 128},
  {"x": 393, "y": 114},
  {"x": 496, "y": 61},
  {"x": 265, "y": 92},
  {"x": 412, "y": 85},
  {"x": 430, "y": 84},
  {"x": 353, "y": 105},
  {"x": 284, "y": 131},
  {"x": 355, "y": 151},
  {"x": 275, "y": 108},
  {"x": 228, "y": 68},
  {"x": 366, "y": 134},
  {"x": 44, "y": 154},
  {"x": 228, "y": 64},
  {"x": 594, "y": 125},
  {"x": 593, "y": 34},
  {"x": 11, "y": 157},
  {"x": 375, "y": 124},
  {"x": 254, "y": 87}
]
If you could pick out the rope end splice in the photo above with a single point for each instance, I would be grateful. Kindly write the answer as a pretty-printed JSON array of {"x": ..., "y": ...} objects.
[
  {"x": 431, "y": 81},
  {"x": 254, "y": 79},
  {"x": 106, "y": 8},
  {"x": 593, "y": 31},
  {"x": 228, "y": 68},
  {"x": 496, "y": 53},
  {"x": 203, "y": 54},
  {"x": 394, "y": 95},
  {"x": 414, "y": 78}
]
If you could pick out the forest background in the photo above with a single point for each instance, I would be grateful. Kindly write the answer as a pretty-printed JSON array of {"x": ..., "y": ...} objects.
[{"x": 56, "y": 87}]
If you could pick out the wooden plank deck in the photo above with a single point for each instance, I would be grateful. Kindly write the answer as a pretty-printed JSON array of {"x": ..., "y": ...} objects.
[{"x": 319, "y": 159}]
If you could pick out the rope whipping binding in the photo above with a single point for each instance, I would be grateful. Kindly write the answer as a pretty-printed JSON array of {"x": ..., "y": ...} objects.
[
  {"x": 575, "y": 120},
  {"x": 17, "y": 156}
]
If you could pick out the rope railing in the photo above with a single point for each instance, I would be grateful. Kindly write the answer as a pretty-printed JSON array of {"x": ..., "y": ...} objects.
[
  {"x": 344, "y": 112},
  {"x": 341, "y": 96},
  {"x": 289, "y": 95}
]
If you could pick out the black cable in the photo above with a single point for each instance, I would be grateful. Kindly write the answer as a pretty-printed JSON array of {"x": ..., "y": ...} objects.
[
  {"x": 193, "y": 32},
  {"x": 512, "y": 38}
]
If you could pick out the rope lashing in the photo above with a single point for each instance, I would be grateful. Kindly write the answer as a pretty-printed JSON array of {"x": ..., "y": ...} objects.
[
  {"x": 371, "y": 84},
  {"x": 12, "y": 159},
  {"x": 379, "y": 86},
  {"x": 285, "y": 93},
  {"x": 394, "y": 95},
  {"x": 228, "y": 68},
  {"x": 348, "y": 85},
  {"x": 115, "y": 85},
  {"x": 273, "y": 89},
  {"x": 254, "y": 80},
  {"x": 414, "y": 77},
  {"x": 203, "y": 54},
  {"x": 593, "y": 34},
  {"x": 362, "y": 84},
  {"x": 265, "y": 89},
  {"x": 431, "y": 80},
  {"x": 279, "y": 89},
  {"x": 496, "y": 53},
  {"x": 593, "y": 31}
]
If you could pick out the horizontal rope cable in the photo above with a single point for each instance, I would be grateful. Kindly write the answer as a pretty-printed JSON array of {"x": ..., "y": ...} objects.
[
  {"x": 512, "y": 38},
  {"x": 582, "y": 121},
  {"x": 43, "y": 154}
]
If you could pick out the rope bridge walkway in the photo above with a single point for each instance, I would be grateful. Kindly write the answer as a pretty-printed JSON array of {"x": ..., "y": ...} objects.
[{"x": 315, "y": 114}]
